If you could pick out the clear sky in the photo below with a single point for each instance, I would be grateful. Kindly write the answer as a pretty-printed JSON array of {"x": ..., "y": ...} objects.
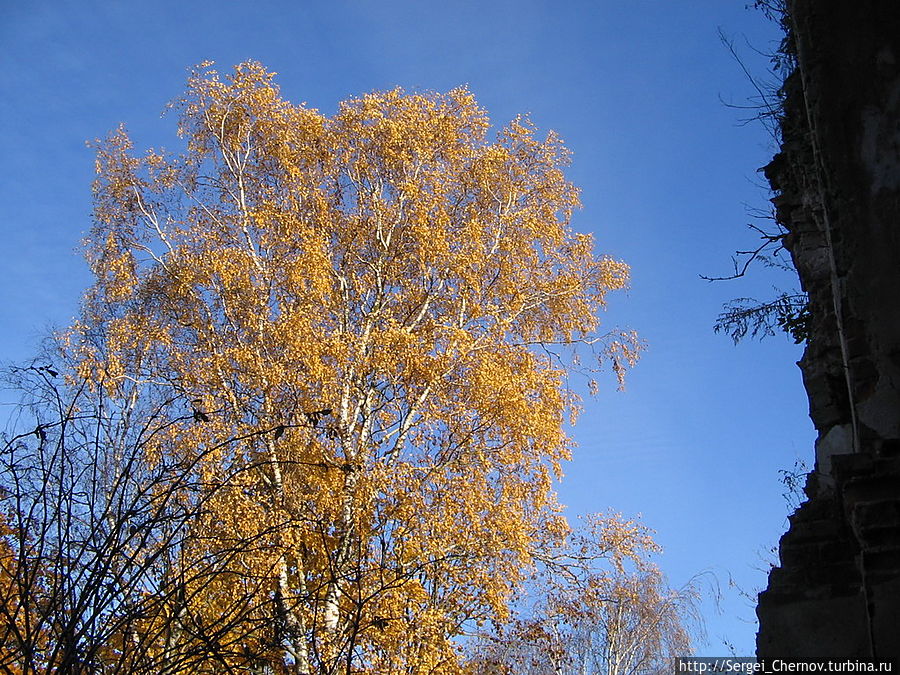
[{"x": 636, "y": 90}]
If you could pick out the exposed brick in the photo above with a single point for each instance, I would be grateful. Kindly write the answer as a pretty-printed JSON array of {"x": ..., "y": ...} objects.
[{"x": 837, "y": 179}]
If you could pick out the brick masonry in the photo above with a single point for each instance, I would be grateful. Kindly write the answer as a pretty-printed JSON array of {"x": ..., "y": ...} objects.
[{"x": 836, "y": 592}]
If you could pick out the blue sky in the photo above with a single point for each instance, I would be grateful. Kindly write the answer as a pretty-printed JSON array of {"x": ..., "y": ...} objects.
[{"x": 667, "y": 172}]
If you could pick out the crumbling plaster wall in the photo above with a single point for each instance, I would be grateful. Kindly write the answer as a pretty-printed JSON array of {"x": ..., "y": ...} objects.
[{"x": 836, "y": 592}]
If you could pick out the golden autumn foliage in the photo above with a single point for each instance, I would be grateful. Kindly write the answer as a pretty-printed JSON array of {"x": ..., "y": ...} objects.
[
  {"x": 13, "y": 619},
  {"x": 95, "y": 535},
  {"x": 597, "y": 605},
  {"x": 354, "y": 317}
]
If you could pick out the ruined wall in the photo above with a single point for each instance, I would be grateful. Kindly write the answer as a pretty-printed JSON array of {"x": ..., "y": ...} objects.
[{"x": 836, "y": 592}]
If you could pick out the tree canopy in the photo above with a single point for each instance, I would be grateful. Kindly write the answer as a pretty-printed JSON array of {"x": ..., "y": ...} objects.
[{"x": 346, "y": 332}]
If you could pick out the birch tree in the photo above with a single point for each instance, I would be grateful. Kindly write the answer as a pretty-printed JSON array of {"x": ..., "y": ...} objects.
[
  {"x": 599, "y": 606},
  {"x": 376, "y": 307}
]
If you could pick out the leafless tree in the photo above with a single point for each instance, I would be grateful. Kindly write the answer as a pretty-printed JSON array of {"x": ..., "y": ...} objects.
[{"x": 101, "y": 558}]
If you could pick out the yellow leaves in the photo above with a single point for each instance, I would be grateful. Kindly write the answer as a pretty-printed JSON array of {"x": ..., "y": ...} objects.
[
  {"x": 587, "y": 609},
  {"x": 372, "y": 286},
  {"x": 612, "y": 274}
]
